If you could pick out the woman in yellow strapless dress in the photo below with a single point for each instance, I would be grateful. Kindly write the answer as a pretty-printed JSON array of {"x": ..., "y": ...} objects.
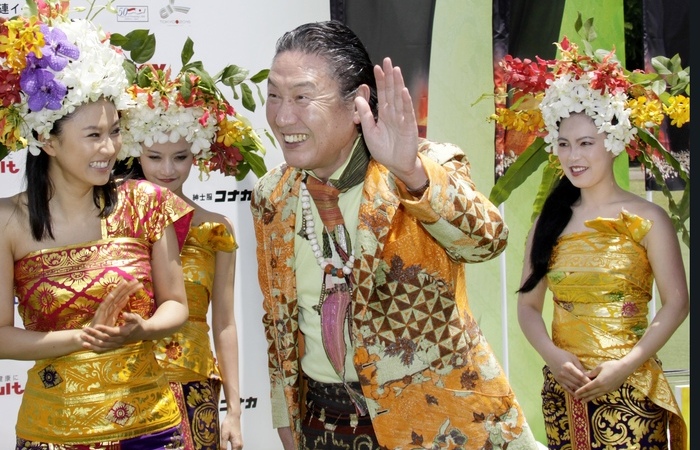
[
  {"x": 598, "y": 248},
  {"x": 208, "y": 256},
  {"x": 169, "y": 130}
]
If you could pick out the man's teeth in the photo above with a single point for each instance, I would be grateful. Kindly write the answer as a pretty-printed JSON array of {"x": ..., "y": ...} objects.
[{"x": 292, "y": 138}]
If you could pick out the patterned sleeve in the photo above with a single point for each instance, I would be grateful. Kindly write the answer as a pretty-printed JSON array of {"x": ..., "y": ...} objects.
[
  {"x": 466, "y": 223},
  {"x": 153, "y": 208},
  {"x": 262, "y": 211}
]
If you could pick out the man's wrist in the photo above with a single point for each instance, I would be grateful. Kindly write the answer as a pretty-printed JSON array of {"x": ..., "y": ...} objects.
[{"x": 418, "y": 192}]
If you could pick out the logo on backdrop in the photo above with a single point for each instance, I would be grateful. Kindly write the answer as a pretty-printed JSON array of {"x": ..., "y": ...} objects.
[
  {"x": 171, "y": 14},
  {"x": 10, "y": 8},
  {"x": 235, "y": 195},
  {"x": 10, "y": 385},
  {"x": 132, "y": 13},
  {"x": 8, "y": 167}
]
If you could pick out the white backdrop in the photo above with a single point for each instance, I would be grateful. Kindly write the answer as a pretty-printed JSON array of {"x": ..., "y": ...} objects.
[{"x": 224, "y": 32}]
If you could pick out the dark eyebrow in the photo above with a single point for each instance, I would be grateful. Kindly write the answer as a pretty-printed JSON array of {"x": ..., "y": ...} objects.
[
  {"x": 301, "y": 84},
  {"x": 95, "y": 127}
]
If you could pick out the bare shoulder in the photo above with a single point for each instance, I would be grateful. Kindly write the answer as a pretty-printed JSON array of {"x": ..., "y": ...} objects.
[
  {"x": 203, "y": 215},
  {"x": 648, "y": 210},
  {"x": 13, "y": 219},
  {"x": 12, "y": 210}
]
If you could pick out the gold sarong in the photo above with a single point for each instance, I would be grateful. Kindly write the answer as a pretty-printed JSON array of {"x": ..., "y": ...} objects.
[{"x": 602, "y": 282}]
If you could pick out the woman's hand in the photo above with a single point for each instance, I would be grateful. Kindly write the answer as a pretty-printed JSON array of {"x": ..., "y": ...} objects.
[
  {"x": 102, "y": 334},
  {"x": 605, "y": 378},
  {"x": 567, "y": 370},
  {"x": 231, "y": 432}
]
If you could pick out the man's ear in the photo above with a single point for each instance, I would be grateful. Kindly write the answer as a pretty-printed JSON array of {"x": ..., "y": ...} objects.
[{"x": 363, "y": 92}]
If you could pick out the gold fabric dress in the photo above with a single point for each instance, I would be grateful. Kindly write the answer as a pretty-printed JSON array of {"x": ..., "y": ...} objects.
[
  {"x": 602, "y": 282},
  {"x": 187, "y": 356},
  {"x": 86, "y": 397}
]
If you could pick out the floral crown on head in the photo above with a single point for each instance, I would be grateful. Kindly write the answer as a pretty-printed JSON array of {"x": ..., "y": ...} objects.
[
  {"x": 191, "y": 106},
  {"x": 620, "y": 102},
  {"x": 630, "y": 107},
  {"x": 50, "y": 65}
]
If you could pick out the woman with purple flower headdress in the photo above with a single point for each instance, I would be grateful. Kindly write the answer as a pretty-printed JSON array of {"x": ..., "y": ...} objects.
[{"x": 94, "y": 264}]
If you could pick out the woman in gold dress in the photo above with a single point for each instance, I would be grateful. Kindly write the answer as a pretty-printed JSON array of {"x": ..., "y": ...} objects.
[
  {"x": 170, "y": 133},
  {"x": 598, "y": 248},
  {"x": 94, "y": 265}
]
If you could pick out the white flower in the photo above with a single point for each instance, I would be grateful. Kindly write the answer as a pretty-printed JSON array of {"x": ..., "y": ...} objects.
[
  {"x": 166, "y": 121},
  {"x": 567, "y": 94}
]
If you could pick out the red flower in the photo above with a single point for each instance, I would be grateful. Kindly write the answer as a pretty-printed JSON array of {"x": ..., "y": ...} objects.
[
  {"x": 224, "y": 159},
  {"x": 526, "y": 75},
  {"x": 9, "y": 88},
  {"x": 608, "y": 76}
]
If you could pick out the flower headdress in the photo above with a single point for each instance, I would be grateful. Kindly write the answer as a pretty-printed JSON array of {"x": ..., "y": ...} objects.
[
  {"x": 190, "y": 105},
  {"x": 629, "y": 106},
  {"x": 50, "y": 65}
]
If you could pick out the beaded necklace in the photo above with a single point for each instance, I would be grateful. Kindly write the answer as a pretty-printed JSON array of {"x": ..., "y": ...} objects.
[{"x": 323, "y": 254}]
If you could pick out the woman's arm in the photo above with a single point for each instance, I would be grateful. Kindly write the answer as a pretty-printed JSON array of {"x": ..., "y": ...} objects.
[
  {"x": 226, "y": 343},
  {"x": 170, "y": 297},
  {"x": 565, "y": 366},
  {"x": 18, "y": 343}
]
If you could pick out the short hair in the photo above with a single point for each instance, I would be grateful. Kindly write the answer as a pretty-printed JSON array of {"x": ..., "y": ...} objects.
[{"x": 347, "y": 57}]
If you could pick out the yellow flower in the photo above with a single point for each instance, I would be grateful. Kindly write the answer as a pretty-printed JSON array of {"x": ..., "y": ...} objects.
[
  {"x": 526, "y": 121},
  {"x": 22, "y": 38},
  {"x": 10, "y": 129},
  {"x": 232, "y": 132},
  {"x": 678, "y": 110},
  {"x": 646, "y": 112}
]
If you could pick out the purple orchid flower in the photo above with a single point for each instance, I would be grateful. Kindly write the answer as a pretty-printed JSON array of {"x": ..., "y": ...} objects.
[
  {"x": 57, "y": 49},
  {"x": 28, "y": 78},
  {"x": 43, "y": 89}
]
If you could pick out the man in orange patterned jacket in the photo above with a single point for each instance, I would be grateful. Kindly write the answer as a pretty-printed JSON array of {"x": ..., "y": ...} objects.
[{"x": 371, "y": 340}]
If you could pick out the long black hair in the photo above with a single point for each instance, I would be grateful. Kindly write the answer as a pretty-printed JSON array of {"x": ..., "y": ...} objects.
[
  {"x": 347, "y": 57},
  {"x": 40, "y": 190},
  {"x": 555, "y": 215}
]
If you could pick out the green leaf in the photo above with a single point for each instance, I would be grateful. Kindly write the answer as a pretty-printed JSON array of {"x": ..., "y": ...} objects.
[
  {"x": 257, "y": 163},
  {"x": 140, "y": 43},
  {"x": 118, "y": 40},
  {"x": 33, "y": 11},
  {"x": 247, "y": 97},
  {"x": 187, "y": 51},
  {"x": 679, "y": 212},
  {"x": 233, "y": 75},
  {"x": 3, "y": 151},
  {"x": 143, "y": 76},
  {"x": 243, "y": 170},
  {"x": 550, "y": 175},
  {"x": 271, "y": 138},
  {"x": 145, "y": 51},
  {"x": 185, "y": 87},
  {"x": 130, "y": 70},
  {"x": 260, "y": 94},
  {"x": 524, "y": 166},
  {"x": 132, "y": 40},
  {"x": 260, "y": 76}
]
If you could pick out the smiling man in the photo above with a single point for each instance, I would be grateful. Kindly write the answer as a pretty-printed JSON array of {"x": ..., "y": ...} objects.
[{"x": 362, "y": 236}]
